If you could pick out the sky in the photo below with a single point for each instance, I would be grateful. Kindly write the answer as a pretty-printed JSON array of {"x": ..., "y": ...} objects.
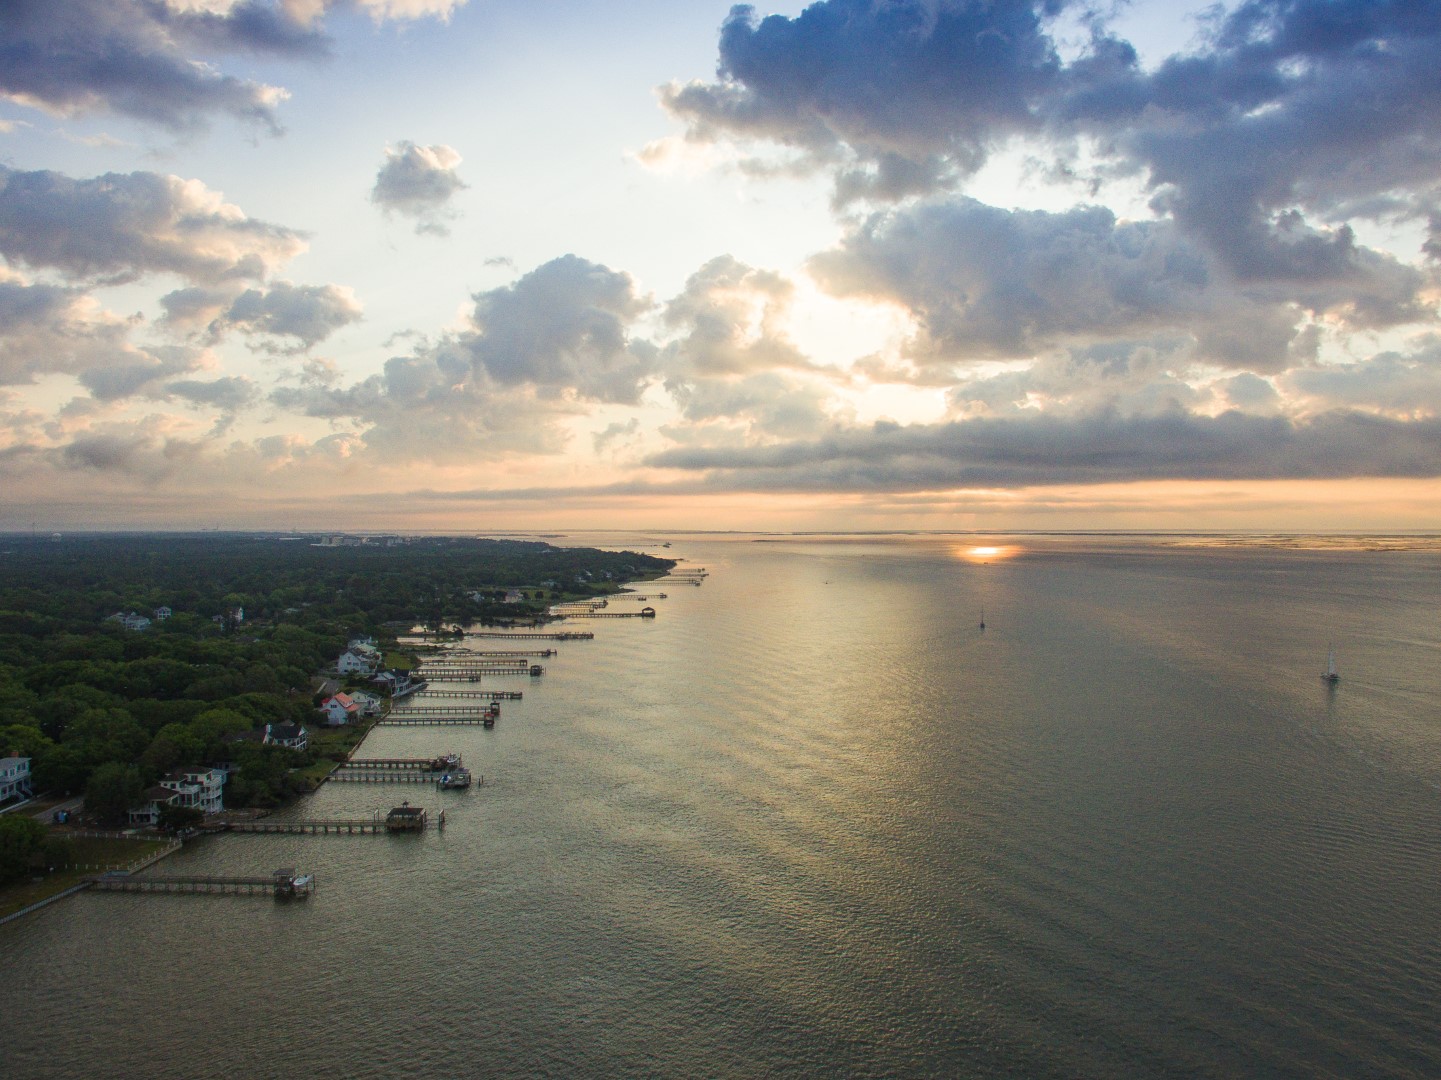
[{"x": 853, "y": 265}]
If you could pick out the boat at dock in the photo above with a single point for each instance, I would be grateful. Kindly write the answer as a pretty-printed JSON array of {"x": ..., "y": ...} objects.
[{"x": 454, "y": 781}]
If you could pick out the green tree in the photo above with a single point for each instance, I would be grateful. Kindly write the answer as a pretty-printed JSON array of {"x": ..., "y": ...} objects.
[
  {"x": 113, "y": 789},
  {"x": 22, "y": 839}
]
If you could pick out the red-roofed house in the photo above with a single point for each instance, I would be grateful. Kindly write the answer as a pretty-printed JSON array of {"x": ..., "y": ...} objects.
[{"x": 340, "y": 709}]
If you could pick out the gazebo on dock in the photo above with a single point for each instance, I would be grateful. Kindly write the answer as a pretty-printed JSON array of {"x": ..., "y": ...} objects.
[{"x": 405, "y": 818}]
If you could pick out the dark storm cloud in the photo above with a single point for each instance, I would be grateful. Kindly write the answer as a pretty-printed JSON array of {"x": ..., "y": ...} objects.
[
  {"x": 123, "y": 225},
  {"x": 418, "y": 182},
  {"x": 1102, "y": 448},
  {"x": 135, "y": 57}
]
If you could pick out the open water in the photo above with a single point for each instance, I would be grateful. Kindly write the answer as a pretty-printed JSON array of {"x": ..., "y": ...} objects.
[{"x": 813, "y": 821}]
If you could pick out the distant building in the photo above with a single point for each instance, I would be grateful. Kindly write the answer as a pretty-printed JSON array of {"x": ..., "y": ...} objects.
[
  {"x": 163, "y": 613},
  {"x": 514, "y": 596},
  {"x": 132, "y": 621},
  {"x": 14, "y": 778}
]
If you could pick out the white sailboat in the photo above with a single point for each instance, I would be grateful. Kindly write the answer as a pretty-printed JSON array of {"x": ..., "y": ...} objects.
[{"x": 1329, "y": 675}]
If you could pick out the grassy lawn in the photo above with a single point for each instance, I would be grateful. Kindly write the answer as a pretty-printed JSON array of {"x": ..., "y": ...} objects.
[
  {"x": 88, "y": 850},
  {"x": 328, "y": 744}
]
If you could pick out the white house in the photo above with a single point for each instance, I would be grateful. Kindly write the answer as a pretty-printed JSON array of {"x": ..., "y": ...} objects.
[
  {"x": 369, "y": 704},
  {"x": 200, "y": 789},
  {"x": 340, "y": 709},
  {"x": 163, "y": 613},
  {"x": 14, "y": 778},
  {"x": 354, "y": 663},
  {"x": 293, "y": 736}
]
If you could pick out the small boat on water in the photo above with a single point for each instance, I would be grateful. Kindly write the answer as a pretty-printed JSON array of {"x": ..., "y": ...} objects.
[
  {"x": 451, "y": 781},
  {"x": 1329, "y": 675}
]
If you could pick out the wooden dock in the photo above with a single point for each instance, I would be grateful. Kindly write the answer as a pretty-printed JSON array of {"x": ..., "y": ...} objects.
[
  {"x": 644, "y": 613},
  {"x": 562, "y": 635},
  {"x": 481, "y": 695},
  {"x": 435, "y": 764},
  {"x": 492, "y": 709},
  {"x": 282, "y": 884},
  {"x": 466, "y": 673},
  {"x": 469, "y": 720},
  {"x": 370, "y": 777},
  {"x": 312, "y": 826}
]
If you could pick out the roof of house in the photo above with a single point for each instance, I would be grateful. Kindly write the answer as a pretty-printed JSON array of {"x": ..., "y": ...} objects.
[{"x": 286, "y": 731}]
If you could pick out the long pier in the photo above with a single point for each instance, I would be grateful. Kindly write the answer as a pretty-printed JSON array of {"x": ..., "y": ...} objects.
[
  {"x": 507, "y": 653},
  {"x": 435, "y": 764},
  {"x": 647, "y": 613},
  {"x": 323, "y": 826},
  {"x": 461, "y": 664},
  {"x": 368, "y": 776},
  {"x": 437, "y": 721},
  {"x": 483, "y": 695},
  {"x": 464, "y": 674},
  {"x": 444, "y": 710},
  {"x": 281, "y": 884},
  {"x": 561, "y": 635}
]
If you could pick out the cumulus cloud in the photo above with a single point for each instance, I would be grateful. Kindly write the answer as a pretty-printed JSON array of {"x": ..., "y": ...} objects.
[
  {"x": 146, "y": 59},
  {"x": 729, "y": 318},
  {"x": 1100, "y": 448},
  {"x": 1289, "y": 120},
  {"x": 122, "y": 225},
  {"x": 135, "y": 58},
  {"x": 303, "y": 314},
  {"x": 418, "y": 182},
  {"x": 983, "y": 282},
  {"x": 51, "y": 329},
  {"x": 564, "y": 328},
  {"x": 535, "y": 353},
  {"x": 902, "y": 96}
]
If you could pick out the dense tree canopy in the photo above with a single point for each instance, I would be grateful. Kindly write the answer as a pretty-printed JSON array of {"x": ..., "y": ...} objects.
[{"x": 251, "y": 619}]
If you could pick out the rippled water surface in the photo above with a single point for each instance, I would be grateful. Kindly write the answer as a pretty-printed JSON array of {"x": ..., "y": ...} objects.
[{"x": 813, "y": 821}]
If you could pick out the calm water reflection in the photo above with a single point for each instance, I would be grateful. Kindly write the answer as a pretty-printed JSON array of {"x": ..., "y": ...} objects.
[{"x": 813, "y": 821}]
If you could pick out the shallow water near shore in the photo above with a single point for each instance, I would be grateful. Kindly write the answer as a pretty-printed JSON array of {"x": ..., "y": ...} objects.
[{"x": 813, "y": 820}]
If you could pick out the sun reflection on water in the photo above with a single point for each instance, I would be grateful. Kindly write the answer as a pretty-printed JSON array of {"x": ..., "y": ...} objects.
[{"x": 986, "y": 553}]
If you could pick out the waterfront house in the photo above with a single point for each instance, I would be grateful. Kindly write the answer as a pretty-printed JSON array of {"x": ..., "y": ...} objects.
[
  {"x": 293, "y": 736},
  {"x": 356, "y": 663},
  {"x": 340, "y": 709},
  {"x": 197, "y": 788},
  {"x": 14, "y": 778},
  {"x": 369, "y": 704},
  {"x": 151, "y": 802}
]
